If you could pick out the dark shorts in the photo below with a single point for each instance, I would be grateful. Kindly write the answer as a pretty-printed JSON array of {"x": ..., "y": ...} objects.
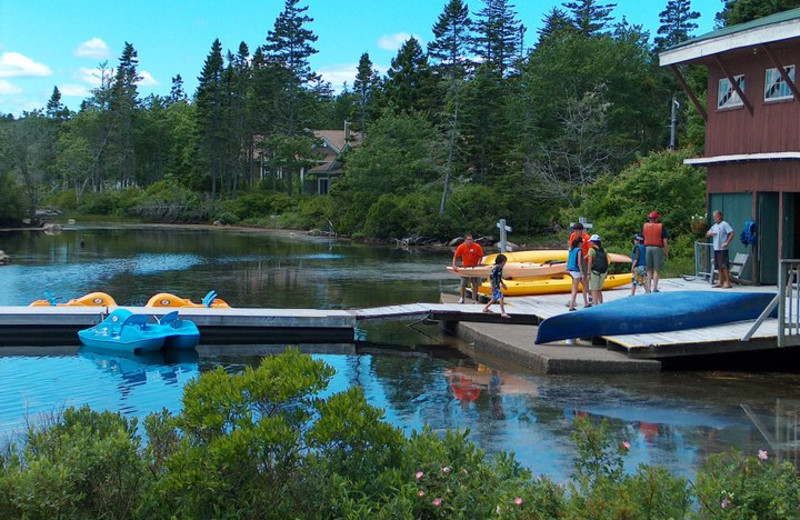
[{"x": 721, "y": 259}]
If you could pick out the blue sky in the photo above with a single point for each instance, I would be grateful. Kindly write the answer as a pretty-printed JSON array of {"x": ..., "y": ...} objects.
[{"x": 45, "y": 43}]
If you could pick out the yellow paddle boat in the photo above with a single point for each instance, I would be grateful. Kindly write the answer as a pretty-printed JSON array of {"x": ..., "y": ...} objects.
[
  {"x": 93, "y": 299},
  {"x": 549, "y": 285},
  {"x": 210, "y": 300}
]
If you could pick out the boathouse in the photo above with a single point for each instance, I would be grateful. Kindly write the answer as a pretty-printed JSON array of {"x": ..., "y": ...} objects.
[{"x": 752, "y": 149}]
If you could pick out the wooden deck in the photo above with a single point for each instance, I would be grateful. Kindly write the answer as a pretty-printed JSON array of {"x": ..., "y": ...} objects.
[
  {"x": 59, "y": 325},
  {"x": 707, "y": 340}
]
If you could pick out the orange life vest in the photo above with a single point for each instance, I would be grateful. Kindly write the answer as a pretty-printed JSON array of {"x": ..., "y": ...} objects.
[{"x": 653, "y": 232}]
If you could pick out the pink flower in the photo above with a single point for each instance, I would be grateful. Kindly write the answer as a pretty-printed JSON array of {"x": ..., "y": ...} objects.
[
  {"x": 498, "y": 509},
  {"x": 437, "y": 502},
  {"x": 446, "y": 469},
  {"x": 518, "y": 501},
  {"x": 626, "y": 445},
  {"x": 763, "y": 455},
  {"x": 725, "y": 503},
  {"x": 418, "y": 475},
  {"x": 421, "y": 493}
]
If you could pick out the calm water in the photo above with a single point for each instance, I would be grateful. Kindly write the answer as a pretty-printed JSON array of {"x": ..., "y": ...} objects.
[{"x": 418, "y": 377}]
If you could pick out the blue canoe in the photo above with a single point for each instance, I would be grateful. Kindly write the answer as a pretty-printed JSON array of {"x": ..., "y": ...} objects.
[
  {"x": 125, "y": 332},
  {"x": 657, "y": 312}
]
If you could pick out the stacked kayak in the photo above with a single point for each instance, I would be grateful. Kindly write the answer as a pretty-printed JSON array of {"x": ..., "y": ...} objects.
[
  {"x": 512, "y": 270},
  {"x": 521, "y": 284},
  {"x": 128, "y": 333},
  {"x": 657, "y": 312}
]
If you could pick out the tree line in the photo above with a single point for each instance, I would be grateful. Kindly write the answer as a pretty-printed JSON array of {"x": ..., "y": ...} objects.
[{"x": 486, "y": 121}]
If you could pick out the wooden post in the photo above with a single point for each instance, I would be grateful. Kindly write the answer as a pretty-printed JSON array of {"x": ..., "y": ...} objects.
[
  {"x": 503, "y": 237},
  {"x": 692, "y": 97},
  {"x": 734, "y": 84},
  {"x": 781, "y": 70}
]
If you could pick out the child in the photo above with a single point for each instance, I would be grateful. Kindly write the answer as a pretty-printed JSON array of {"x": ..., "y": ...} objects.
[
  {"x": 598, "y": 267},
  {"x": 575, "y": 268},
  {"x": 638, "y": 264},
  {"x": 496, "y": 279}
]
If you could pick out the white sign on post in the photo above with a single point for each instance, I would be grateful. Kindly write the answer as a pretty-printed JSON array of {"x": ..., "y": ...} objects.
[{"x": 503, "y": 237}]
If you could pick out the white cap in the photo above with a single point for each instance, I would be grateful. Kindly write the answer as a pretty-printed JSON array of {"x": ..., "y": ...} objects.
[{"x": 594, "y": 238}]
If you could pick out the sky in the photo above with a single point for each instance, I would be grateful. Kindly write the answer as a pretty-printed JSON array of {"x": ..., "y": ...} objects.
[{"x": 47, "y": 43}]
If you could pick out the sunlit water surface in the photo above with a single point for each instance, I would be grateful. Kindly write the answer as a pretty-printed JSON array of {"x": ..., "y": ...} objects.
[{"x": 418, "y": 377}]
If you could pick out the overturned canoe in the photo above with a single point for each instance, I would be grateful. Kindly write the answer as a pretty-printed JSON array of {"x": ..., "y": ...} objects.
[
  {"x": 658, "y": 312},
  {"x": 511, "y": 270},
  {"x": 550, "y": 285}
]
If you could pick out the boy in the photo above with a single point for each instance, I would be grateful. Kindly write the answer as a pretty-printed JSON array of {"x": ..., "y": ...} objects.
[{"x": 496, "y": 279}]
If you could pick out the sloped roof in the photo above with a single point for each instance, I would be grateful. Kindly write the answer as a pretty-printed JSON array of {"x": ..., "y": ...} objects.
[
  {"x": 773, "y": 28},
  {"x": 336, "y": 138}
]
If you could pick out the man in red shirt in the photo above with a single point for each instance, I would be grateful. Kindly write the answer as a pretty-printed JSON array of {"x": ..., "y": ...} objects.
[{"x": 471, "y": 254}]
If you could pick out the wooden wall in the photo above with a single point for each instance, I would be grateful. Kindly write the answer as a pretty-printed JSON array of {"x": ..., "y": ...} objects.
[
  {"x": 754, "y": 176},
  {"x": 772, "y": 127}
]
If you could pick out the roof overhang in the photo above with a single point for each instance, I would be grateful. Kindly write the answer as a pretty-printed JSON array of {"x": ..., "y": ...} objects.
[
  {"x": 743, "y": 157},
  {"x": 703, "y": 48}
]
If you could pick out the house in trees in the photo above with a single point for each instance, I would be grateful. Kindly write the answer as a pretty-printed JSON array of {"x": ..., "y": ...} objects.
[
  {"x": 329, "y": 162},
  {"x": 752, "y": 151}
]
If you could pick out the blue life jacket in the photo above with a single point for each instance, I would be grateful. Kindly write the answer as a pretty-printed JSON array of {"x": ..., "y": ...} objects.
[{"x": 748, "y": 236}]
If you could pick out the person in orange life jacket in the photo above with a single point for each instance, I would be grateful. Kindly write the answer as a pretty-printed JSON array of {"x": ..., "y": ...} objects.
[
  {"x": 471, "y": 254},
  {"x": 657, "y": 249},
  {"x": 598, "y": 267},
  {"x": 723, "y": 234},
  {"x": 576, "y": 266},
  {"x": 578, "y": 232}
]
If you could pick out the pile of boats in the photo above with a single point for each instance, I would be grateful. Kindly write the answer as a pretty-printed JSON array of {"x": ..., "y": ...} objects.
[
  {"x": 101, "y": 299},
  {"x": 537, "y": 272}
]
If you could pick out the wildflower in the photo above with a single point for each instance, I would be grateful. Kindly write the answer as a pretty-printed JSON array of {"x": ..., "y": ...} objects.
[
  {"x": 763, "y": 455},
  {"x": 626, "y": 445},
  {"x": 446, "y": 469},
  {"x": 498, "y": 509},
  {"x": 418, "y": 475},
  {"x": 725, "y": 503},
  {"x": 437, "y": 502},
  {"x": 518, "y": 501},
  {"x": 421, "y": 493}
]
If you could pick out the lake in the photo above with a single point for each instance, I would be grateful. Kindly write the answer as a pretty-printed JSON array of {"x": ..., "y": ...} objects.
[{"x": 410, "y": 370}]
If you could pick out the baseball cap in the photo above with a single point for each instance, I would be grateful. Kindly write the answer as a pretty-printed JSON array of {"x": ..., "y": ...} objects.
[
  {"x": 594, "y": 238},
  {"x": 637, "y": 236},
  {"x": 654, "y": 215}
]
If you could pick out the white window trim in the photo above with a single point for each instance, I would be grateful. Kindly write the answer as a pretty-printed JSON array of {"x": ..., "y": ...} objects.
[
  {"x": 766, "y": 85},
  {"x": 734, "y": 94}
]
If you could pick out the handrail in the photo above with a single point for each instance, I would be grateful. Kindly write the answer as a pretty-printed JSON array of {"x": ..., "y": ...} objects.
[{"x": 788, "y": 302}]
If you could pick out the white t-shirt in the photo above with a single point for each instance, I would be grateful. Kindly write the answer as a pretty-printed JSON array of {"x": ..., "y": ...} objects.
[{"x": 721, "y": 232}]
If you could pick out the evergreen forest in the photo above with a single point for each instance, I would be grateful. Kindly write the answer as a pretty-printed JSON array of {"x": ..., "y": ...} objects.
[{"x": 487, "y": 121}]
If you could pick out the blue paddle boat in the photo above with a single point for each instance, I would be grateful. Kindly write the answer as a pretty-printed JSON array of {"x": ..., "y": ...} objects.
[
  {"x": 125, "y": 332},
  {"x": 657, "y": 312}
]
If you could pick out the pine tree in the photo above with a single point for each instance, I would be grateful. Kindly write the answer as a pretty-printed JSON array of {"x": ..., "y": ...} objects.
[
  {"x": 741, "y": 11},
  {"x": 211, "y": 114},
  {"x": 410, "y": 81},
  {"x": 124, "y": 102},
  {"x": 177, "y": 93},
  {"x": 498, "y": 39},
  {"x": 554, "y": 23},
  {"x": 289, "y": 47},
  {"x": 589, "y": 16},
  {"x": 677, "y": 22},
  {"x": 55, "y": 108},
  {"x": 364, "y": 86}
]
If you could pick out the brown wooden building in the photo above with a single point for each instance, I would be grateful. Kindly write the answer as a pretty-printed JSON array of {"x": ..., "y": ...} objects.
[{"x": 752, "y": 152}]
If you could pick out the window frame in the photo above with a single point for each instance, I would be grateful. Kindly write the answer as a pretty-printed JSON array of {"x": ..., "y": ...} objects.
[
  {"x": 741, "y": 81},
  {"x": 780, "y": 80}
]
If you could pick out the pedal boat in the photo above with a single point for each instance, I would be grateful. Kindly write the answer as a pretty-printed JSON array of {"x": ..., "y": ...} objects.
[
  {"x": 92, "y": 299},
  {"x": 210, "y": 301}
]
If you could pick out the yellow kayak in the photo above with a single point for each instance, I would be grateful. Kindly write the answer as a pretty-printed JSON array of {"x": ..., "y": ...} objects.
[
  {"x": 550, "y": 285},
  {"x": 541, "y": 256}
]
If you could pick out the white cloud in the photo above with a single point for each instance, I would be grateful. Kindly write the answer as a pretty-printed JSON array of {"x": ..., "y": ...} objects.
[
  {"x": 147, "y": 79},
  {"x": 94, "y": 48},
  {"x": 7, "y": 88},
  {"x": 90, "y": 76},
  {"x": 16, "y": 65},
  {"x": 393, "y": 42},
  {"x": 336, "y": 75},
  {"x": 71, "y": 89}
]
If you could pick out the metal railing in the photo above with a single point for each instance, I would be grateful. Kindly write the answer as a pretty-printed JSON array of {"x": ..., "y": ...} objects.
[
  {"x": 704, "y": 260},
  {"x": 789, "y": 303}
]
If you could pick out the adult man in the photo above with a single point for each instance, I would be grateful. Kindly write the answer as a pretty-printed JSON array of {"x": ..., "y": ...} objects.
[
  {"x": 723, "y": 234},
  {"x": 470, "y": 253},
  {"x": 656, "y": 247}
]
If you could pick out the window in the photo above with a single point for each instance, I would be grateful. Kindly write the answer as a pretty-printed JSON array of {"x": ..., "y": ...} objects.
[
  {"x": 727, "y": 96},
  {"x": 322, "y": 186},
  {"x": 775, "y": 87}
]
